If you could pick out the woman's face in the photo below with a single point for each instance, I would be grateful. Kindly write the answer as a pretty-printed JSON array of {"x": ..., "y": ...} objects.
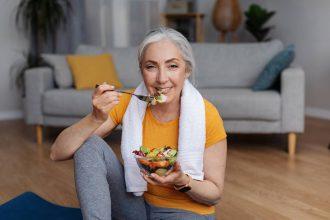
[{"x": 163, "y": 69}]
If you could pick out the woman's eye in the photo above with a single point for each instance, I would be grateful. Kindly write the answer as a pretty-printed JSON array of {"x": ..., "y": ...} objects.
[
  {"x": 149, "y": 67},
  {"x": 173, "y": 66}
]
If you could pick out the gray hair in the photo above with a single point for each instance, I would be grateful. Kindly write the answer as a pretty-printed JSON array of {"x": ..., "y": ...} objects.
[{"x": 178, "y": 39}]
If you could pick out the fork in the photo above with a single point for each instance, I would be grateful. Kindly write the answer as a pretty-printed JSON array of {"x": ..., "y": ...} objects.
[{"x": 141, "y": 97}]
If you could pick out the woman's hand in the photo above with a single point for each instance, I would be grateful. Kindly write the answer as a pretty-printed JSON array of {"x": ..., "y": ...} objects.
[
  {"x": 172, "y": 177},
  {"x": 103, "y": 100}
]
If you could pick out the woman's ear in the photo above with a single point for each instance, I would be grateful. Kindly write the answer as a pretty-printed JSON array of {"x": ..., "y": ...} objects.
[{"x": 188, "y": 71}]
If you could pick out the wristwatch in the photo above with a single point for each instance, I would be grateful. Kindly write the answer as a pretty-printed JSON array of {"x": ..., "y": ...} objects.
[{"x": 184, "y": 188}]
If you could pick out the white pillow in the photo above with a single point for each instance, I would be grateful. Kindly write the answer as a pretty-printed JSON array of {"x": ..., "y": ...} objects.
[{"x": 62, "y": 72}]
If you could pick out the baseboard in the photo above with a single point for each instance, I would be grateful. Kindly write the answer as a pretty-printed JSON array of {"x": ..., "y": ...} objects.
[
  {"x": 10, "y": 115},
  {"x": 317, "y": 113}
]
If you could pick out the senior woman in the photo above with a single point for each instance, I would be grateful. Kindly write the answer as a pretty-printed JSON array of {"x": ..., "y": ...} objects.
[{"x": 107, "y": 189}]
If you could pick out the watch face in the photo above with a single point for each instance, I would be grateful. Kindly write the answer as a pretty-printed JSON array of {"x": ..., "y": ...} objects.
[{"x": 185, "y": 189}]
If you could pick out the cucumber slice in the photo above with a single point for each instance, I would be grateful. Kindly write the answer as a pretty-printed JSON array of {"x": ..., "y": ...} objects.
[
  {"x": 153, "y": 153},
  {"x": 145, "y": 150},
  {"x": 172, "y": 160}
]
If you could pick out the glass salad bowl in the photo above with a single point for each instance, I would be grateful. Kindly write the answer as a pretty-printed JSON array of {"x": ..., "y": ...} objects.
[{"x": 156, "y": 160}]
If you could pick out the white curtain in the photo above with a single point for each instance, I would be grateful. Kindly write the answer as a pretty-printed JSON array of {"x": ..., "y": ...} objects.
[
  {"x": 125, "y": 22},
  {"x": 69, "y": 37},
  {"x": 144, "y": 15}
]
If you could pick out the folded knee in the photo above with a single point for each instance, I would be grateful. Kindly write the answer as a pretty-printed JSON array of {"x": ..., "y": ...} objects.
[{"x": 92, "y": 145}]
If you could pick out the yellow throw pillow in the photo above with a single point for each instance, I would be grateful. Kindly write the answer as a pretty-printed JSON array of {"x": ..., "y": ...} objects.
[{"x": 88, "y": 70}]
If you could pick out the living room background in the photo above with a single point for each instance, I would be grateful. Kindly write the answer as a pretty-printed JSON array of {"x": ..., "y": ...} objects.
[{"x": 301, "y": 22}]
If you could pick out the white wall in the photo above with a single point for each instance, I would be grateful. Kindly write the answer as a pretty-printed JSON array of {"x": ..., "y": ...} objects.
[
  {"x": 11, "y": 44},
  {"x": 304, "y": 23}
]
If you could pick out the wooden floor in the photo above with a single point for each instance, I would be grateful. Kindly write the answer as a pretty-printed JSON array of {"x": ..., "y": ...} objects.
[{"x": 262, "y": 182}]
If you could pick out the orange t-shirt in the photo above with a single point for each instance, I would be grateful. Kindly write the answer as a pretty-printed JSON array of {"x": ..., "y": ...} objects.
[{"x": 157, "y": 134}]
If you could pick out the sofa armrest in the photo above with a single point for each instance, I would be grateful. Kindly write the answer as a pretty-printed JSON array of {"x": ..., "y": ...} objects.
[
  {"x": 37, "y": 81},
  {"x": 293, "y": 99}
]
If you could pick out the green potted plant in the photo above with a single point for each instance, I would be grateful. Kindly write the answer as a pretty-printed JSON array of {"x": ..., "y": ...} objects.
[
  {"x": 40, "y": 21},
  {"x": 256, "y": 18}
]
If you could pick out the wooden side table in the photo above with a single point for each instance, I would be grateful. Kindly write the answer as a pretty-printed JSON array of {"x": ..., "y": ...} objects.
[{"x": 194, "y": 19}]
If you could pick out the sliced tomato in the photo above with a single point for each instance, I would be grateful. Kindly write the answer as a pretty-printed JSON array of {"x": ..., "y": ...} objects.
[
  {"x": 160, "y": 155},
  {"x": 160, "y": 164},
  {"x": 144, "y": 161}
]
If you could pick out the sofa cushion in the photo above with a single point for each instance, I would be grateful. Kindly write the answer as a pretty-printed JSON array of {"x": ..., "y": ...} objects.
[
  {"x": 89, "y": 70},
  {"x": 245, "y": 104},
  {"x": 125, "y": 60},
  {"x": 273, "y": 69},
  {"x": 239, "y": 103},
  {"x": 232, "y": 65},
  {"x": 67, "y": 102},
  {"x": 62, "y": 72},
  {"x": 218, "y": 65}
]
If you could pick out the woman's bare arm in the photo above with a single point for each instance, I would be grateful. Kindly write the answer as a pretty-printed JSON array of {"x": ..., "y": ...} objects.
[
  {"x": 98, "y": 122},
  {"x": 71, "y": 138},
  {"x": 210, "y": 190}
]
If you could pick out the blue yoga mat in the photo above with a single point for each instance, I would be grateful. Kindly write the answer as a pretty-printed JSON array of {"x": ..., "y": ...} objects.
[{"x": 30, "y": 206}]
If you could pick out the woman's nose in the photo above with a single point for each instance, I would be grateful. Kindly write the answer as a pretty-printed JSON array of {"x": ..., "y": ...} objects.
[{"x": 162, "y": 76}]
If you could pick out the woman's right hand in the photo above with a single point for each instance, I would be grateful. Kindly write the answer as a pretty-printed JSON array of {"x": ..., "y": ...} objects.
[{"x": 104, "y": 99}]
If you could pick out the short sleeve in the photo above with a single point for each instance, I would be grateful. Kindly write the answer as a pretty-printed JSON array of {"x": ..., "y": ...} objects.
[
  {"x": 117, "y": 113},
  {"x": 215, "y": 130}
]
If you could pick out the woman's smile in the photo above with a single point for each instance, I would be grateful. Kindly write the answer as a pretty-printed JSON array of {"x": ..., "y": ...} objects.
[{"x": 164, "y": 90}]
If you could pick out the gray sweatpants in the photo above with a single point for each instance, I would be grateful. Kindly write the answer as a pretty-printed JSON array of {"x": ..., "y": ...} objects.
[{"x": 101, "y": 190}]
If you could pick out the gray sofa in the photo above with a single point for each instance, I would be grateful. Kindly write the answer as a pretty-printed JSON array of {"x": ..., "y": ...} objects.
[{"x": 225, "y": 75}]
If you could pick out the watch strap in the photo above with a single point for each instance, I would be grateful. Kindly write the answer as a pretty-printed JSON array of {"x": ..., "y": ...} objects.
[{"x": 184, "y": 188}]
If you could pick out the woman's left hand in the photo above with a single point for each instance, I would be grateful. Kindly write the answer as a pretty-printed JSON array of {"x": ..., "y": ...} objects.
[{"x": 172, "y": 177}]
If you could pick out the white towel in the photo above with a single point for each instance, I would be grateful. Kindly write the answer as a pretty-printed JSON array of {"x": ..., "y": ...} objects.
[{"x": 191, "y": 141}]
